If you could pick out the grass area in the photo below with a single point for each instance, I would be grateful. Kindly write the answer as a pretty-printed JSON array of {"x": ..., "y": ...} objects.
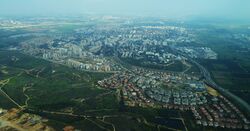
[
  {"x": 87, "y": 125},
  {"x": 6, "y": 103},
  {"x": 121, "y": 123},
  {"x": 212, "y": 91},
  {"x": 165, "y": 118},
  {"x": 232, "y": 69},
  {"x": 228, "y": 74},
  {"x": 194, "y": 70},
  {"x": 20, "y": 61},
  {"x": 126, "y": 123},
  {"x": 231, "y": 76},
  {"x": 53, "y": 87}
]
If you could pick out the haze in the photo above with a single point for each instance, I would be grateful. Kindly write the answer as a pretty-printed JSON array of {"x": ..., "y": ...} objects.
[{"x": 234, "y": 9}]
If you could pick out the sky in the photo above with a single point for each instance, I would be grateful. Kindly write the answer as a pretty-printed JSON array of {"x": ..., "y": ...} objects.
[{"x": 234, "y": 9}]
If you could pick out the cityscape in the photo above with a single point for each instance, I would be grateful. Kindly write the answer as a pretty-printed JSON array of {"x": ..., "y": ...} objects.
[{"x": 112, "y": 71}]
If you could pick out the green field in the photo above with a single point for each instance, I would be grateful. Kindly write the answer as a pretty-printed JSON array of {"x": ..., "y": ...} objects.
[
  {"x": 51, "y": 86},
  {"x": 39, "y": 85},
  {"x": 232, "y": 69}
]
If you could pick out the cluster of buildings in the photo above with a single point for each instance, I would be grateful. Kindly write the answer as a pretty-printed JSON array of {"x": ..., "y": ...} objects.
[
  {"x": 142, "y": 88},
  {"x": 220, "y": 113},
  {"x": 11, "y": 24},
  {"x": 14, "y": 119},
  {"x": 99, "y": 66},
  {"x": 71, "y": 55},
  {"x": 198, "y": 52},
  {"x": 2, "y": 111},
  {"x": 153, "y": 54},
  {"x": 128, "y": 41},
  {"x": 182, "y": 97},
  {"x": 241, "y": 37},
  {"x": 81, "y": 60},
  {"x": 145, "y": 88},
  {"x": 93, "y": 48},
  {"x": 138, "y": 34},
  {"x": 90, "y": 47}
]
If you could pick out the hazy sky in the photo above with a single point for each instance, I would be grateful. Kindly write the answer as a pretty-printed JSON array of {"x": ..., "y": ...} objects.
[{"x": 167, "y": 8}]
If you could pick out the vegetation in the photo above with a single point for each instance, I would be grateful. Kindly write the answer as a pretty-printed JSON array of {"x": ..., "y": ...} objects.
[{"x": 177, "y": 66}]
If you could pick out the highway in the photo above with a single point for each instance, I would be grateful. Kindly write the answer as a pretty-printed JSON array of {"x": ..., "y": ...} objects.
[{"x": 209, "y": 81}]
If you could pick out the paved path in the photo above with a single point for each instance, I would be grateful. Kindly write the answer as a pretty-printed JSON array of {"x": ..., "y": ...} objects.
[{"x": 209, "y": 81}]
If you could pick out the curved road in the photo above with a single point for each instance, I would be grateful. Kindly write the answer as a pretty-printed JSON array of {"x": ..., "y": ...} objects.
[{"x": 209, "y": 81}]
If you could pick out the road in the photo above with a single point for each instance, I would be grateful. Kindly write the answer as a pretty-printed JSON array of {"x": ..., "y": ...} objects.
[
  {"x": 3, "y": 83},
  {"x": 210, "y": 82}
]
